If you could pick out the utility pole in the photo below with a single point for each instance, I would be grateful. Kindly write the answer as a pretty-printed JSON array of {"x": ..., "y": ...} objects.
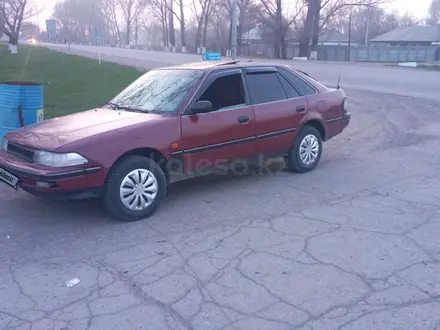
[
  {"x": 136, "y": 31},
  {"x": 349, "y": 36},
  {"x": 367, "y": 30},
  {"x": 38, "y": 20},
  {"x": 234, "y": 30},
  {"x": 367, "y": 27}
]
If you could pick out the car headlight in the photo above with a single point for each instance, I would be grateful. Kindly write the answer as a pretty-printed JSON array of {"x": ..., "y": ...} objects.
[{"x": 53, "y": 159}]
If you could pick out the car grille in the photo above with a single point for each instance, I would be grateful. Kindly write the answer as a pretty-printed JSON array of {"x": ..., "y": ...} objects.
[{"x": 20, "y": 151}]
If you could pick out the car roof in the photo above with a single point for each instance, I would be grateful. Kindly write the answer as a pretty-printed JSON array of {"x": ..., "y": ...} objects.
[
  {"x": 209, "y": 66},
  {"x": 224, "y": 64}
]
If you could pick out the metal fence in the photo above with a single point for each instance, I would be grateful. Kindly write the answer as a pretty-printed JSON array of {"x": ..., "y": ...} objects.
[
  {"x": 373, "y": 53},
  {"x": 260, "y": 49},
  {"x": 392, "y": 54}
]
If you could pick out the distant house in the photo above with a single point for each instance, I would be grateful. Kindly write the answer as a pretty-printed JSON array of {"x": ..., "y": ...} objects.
[
  {"x": 254, "y": 34},
  {"x": 427, "y": 35},
  {"x": 327, "y": 38},
  {"x": 335, "y": 38}
]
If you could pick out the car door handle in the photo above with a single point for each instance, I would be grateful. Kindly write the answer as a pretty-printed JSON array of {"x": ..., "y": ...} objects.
[
  {"x": 243, "y": 119},
  {"x": 300, "y": 108}
]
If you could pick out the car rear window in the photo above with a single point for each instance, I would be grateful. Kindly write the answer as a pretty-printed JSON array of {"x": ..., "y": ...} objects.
[
  {"x": 288, "y": 87},
  {"x": 303, "y": 87}
]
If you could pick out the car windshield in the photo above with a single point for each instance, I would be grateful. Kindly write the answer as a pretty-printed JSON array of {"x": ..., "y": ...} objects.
[{"x": 157, "y": 91}]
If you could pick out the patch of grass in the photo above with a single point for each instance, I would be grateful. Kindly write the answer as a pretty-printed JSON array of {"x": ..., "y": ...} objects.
[
  {"x": 71, "y": 83},
  {"x": 429, "y": 67},
  {"x": 419, "y": 66}
]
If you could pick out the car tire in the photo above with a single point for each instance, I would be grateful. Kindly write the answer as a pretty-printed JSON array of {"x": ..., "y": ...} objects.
[
  {"x": 306, "y": 152},
  {"x": 140, "y": 176}
]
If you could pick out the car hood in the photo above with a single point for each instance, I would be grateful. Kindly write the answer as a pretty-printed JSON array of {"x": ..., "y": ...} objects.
[{"x": 54, "y": 133}]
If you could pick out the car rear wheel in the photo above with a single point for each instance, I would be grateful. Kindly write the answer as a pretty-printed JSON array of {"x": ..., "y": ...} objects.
[
  {"x": 306, "y": 151},
  {"x": 135, "y": 188}
]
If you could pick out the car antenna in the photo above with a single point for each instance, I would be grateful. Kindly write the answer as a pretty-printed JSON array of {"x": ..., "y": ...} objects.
[{"x": 338, "y": 86}]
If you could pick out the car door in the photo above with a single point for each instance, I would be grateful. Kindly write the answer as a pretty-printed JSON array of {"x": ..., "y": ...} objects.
[
  {"x": 227, "y": 132},
  {"x": 278, "y": 108}
]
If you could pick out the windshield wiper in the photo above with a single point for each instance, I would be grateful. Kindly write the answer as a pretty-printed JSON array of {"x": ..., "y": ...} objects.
[
  {"x": 121, "y": 107},
  {"x": 155, "y": 111},
  {"x": 112, "y": 105}
]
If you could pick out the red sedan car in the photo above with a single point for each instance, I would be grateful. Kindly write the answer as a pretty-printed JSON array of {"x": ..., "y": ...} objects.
[{"x": 177, "y": 119}]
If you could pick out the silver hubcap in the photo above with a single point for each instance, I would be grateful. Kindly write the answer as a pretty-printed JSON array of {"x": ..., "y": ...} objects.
[
  {"x": 309, "y": 149},
  {"x": 138, "y": 190}
]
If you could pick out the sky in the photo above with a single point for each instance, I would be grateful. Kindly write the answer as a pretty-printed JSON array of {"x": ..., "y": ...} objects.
[{"x": 417, "y": 8}]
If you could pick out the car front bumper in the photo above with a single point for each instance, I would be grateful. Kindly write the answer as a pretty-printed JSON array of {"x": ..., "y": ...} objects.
[{"x": 40, "y": 181}]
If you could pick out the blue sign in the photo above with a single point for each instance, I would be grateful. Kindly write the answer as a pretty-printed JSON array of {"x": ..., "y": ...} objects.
[
  {"x": 51, "y": 28},
  {"x": 208, "y": 56},
  {"x": 98, "y": 35}
]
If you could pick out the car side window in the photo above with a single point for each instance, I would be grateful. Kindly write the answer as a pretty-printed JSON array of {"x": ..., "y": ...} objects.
[
  {"x": 303, "y": 87},
  {"x": 290, "y": 90},
  {"x": 265, "y": 87},
  {"x": 225, "y": 92}
]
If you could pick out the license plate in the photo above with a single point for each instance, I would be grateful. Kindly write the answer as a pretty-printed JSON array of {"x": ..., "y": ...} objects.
[{"x": 8, "y": 178}]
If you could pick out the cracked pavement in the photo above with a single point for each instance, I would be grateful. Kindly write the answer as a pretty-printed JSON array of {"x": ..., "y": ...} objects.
[{"x": 354, "y": 244}]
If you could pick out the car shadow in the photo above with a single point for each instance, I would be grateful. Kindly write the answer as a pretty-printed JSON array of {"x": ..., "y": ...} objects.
[
  {"x": 206, "y": 181},
  {"x": 90, "y": 213}
]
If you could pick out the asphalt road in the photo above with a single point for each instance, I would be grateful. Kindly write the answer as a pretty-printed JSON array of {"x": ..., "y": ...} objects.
[
  {"x": 354, "y": 244},
  {"x": 362, "y": 76}
]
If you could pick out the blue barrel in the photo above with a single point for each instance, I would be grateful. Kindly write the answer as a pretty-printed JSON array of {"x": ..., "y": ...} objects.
[{"x": 15, "y": 94}]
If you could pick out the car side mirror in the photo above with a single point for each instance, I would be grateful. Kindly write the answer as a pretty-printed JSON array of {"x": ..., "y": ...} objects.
[{"x": 200, "y": 107}]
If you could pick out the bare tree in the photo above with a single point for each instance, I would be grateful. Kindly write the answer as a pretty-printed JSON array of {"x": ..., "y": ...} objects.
[
  {"x": 64, "y": 18},
  {"x": 434, "y": 12},
  {"x": 407, "y": 20},
  {"x": 116, "y": 20},
  {"x": 79, "y": 19},
  {"x": 109, "y": 10},
  {"x": 215, "y": 29},
  {"x": 13, "y": 13},
  {"x": 248, "y": 15},
  {"x": 181, "y": 18},
  {"x": 221, "y": 21},
  {"x": 371, "y": 22},
  {"x": 151, "y": 32},
  {"x": 159, "y": 10},
  {"x": 29, "y": 29},
  {"x": 202, "y": 10},
  {"x": 242, "y": 7},
  {"x": 172, "y": 32},
  {"x": 209, "y": 7},
  {"x": 320, "y": 13},
  {"x": 330, "y": 9},
  {"x": 166, "y": 11},
  {"x": 272, "y": 17},
  {"x": 131, "y": 9},
  {"x": 309, "y": 24},
  {"x": 2, "y": 24}
]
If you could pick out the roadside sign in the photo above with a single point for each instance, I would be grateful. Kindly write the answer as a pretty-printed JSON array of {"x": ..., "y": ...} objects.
[
  {"x": 40, "y": 115},
  {"x": 212, "y": 56},
  {"x": 98, "y": 35},
  {"x": 51, "y": 28}
]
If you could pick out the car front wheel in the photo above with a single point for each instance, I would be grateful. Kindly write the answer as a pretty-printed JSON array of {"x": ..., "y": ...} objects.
[
  {"x": 135, "y": 187},
  {"x": 306, "y": 151}
]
